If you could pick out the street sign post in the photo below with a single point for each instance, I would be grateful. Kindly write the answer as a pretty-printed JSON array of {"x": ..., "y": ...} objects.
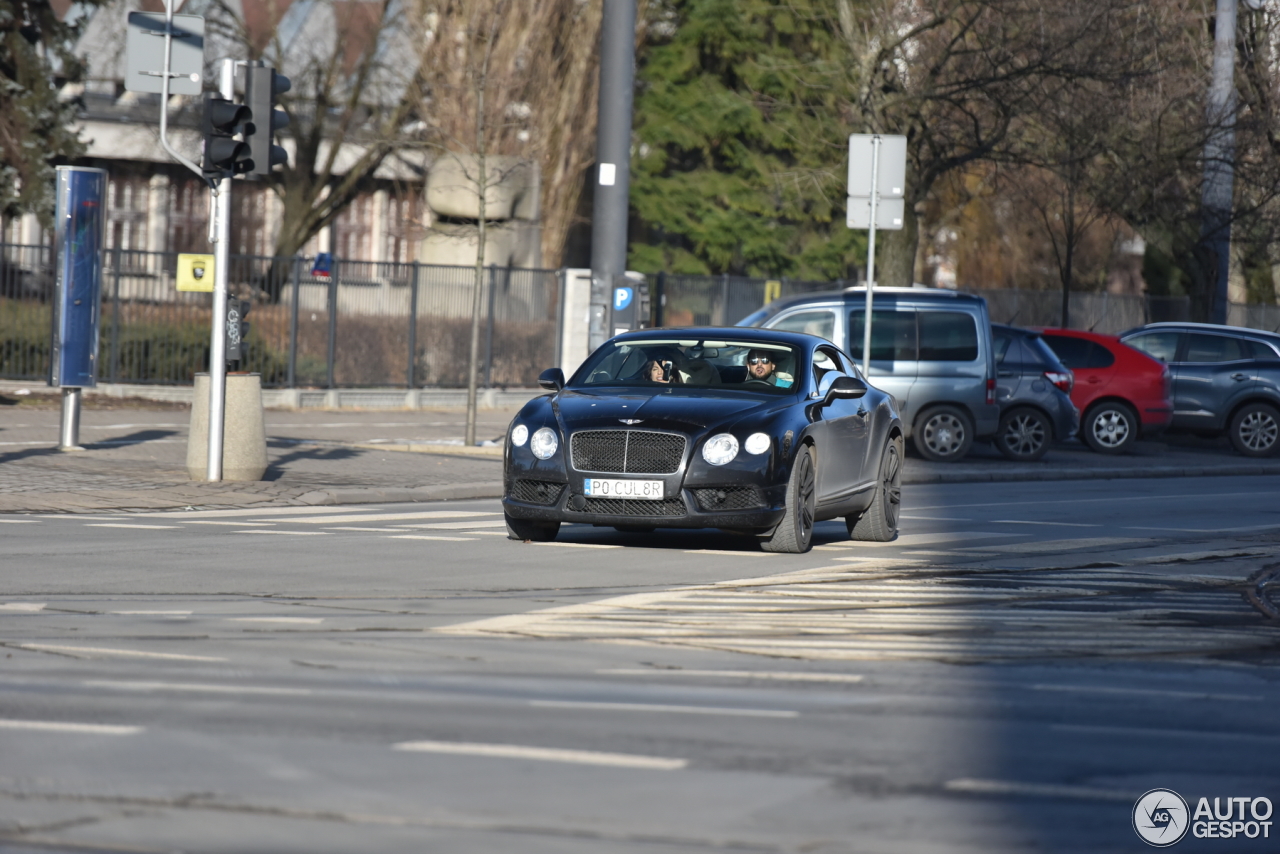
[
  {"x": 145, "y": 67},
  {"x": 877, "y": 191}
]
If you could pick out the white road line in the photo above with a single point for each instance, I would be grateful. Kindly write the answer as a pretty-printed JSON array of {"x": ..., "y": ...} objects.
[
  {"x": 658, "y": 707},
  {"x": 428, "y": 537},
  {"x": 485, "y": 533},
  {"x": 233, "y": 514},
  {"x": 287, "y": 533},
  {"x": 123, "y": 525},
  {"x": 457, "y": 526},
  {"x": 781, "y": 675},
  {"x": 546, "y": 754},
  {"x": 727, "y": 553},
  {"x": 1205, "y": 530},
  {"x": 22, "y": 606},
  {"x": 309, "y": 620},
  {"x": 195, "y": 687},
  {"x": 1044, "y": 790},
  {"x": 390, "y": 517},
  {"x": 59, "y": 726},
  {"x": 153, "y": 613},
  {"x": 1198, "y": 496},
  {"x": 98, "y": 650},
  {"x": 579, "y": 545},
  {"x": 1053, "y": 524},
  {"x": 1146, "y": 692},
  {"x": 1147, "y": 732},
  {"x": 371, "y": 530},
  {"x": 19, "y": 521},
  {"x": 1056, "y": 545},
  {"x": 936, "y": 519},
  {"x": 238, "y": 522},
  {"x": 939, "y": 537}
]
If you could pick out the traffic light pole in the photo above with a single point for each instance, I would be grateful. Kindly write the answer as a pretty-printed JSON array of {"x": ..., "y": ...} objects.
[{"x": 221, "y": 264}]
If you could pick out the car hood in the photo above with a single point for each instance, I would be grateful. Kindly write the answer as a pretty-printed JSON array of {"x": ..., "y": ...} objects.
[{"x": 579, "y": 410}]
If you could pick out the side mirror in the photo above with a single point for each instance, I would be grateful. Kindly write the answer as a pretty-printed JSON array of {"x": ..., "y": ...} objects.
[
  {"x": 847, "y": 387},
  {"x": 552, "y": 379}
]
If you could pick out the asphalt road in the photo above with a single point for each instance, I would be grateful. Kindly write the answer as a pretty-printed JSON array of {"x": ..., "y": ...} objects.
[{"x": 1010, "y": 675}]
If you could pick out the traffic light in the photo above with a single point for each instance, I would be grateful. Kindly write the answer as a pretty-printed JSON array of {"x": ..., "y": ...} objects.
[
  {"x": 261, "y": 86},
  {"x": 237, "y": 329},
  {"x": 223, "y": 154}
]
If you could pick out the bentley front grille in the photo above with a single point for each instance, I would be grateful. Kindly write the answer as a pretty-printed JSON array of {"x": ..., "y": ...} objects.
[
  {"x": 628, "y": 507},
  {"x": 729, "y": 497},
  {"x": 537, "y": 491},
  {"x": 627, "y": 451}
]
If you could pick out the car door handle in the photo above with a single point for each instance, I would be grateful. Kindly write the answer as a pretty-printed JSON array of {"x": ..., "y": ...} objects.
[
  {"x": 1239, "y": 377},
  {"x": 1093, "y": 380}
]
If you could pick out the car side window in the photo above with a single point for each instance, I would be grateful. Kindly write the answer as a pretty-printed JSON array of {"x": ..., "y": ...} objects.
[
  {"x": 821, "y": 323},
  {"x": 946, "y": 336},
  {"x": 1159, "y": 345},
  {"x": 893, "y": 335},
  {"x": 824, "y": 362},
  {"x": 1002, "y": 343},
  {"x": 1099, "y": 357},
  {"x": 1258, "y": 350},
  {"x": 1214, "y": 348},
  {"x": 1072, "y": 352}
]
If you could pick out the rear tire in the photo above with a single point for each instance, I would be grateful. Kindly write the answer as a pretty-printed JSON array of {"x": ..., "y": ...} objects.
[
  {"x": 943, "y": 434},
  {"x": 1110, "y": 428},
  {"x": 1024, "y": 435},
  {"x": 528, "y": 530},
  {"x": 1255, "y": 430},
  {"x": 794, "y": 534},
  {"x": 879, "y": 523}
]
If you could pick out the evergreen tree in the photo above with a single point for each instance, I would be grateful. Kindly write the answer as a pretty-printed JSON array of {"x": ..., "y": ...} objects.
[
  {"x": 35, "y": 127},
  {"x": 740, "y": 160}
]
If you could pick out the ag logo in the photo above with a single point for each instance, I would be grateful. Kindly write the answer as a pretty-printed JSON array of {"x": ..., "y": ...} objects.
[{"x": 1160, "y": 817}]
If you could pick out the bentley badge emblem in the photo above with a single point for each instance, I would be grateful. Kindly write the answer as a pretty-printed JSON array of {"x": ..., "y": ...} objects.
[{"x": 631, "y": 420}]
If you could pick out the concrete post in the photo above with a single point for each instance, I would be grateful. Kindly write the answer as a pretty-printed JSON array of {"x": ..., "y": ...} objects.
[{"x": 244, "y": 445}]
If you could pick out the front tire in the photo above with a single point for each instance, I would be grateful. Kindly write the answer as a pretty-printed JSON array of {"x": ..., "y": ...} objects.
[
  {"x": 879, "y": 523},
  {"x": 1024, "y": 435},
  {"x": 943, "y": 434},
  {"x": 1110, "y": 428},
  {"x": 794, "y": 534},
  {"x": 526, "y": 530},
  {"x": 1255, "y": 430}
]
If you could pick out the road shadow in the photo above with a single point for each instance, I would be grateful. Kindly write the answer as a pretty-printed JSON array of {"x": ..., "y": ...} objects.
[
  {"x": 136, "y": 438},
  {"x": 310, "y": 453}
]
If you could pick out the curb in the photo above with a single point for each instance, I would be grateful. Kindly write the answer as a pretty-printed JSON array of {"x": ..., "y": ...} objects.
[{"x": 1090, "y": 474}]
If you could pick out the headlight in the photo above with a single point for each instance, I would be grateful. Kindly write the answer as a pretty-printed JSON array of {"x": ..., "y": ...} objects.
[
  {"x": 758, "y": 443},
  {"x": 519, "y": 435},
  {"x": 544, "y": 443},
  {"x": 720, "y": 449}
]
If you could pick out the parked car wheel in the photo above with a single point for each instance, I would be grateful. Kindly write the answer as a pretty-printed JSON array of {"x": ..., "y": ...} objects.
[
  {"x": 1110, "y": 427},
  {"x": 943, "y": 434},
  {"x": 524, "y": 529},
  {"x": 1255, "y": 430},
  {"x": 879, "y": 523},
  {"x": 794, "y": 533},
  {"x": 1024, "y": 435}
]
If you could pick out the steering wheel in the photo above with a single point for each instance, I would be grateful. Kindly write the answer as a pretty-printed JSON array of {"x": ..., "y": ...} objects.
[{"x": 757, "y": 382}]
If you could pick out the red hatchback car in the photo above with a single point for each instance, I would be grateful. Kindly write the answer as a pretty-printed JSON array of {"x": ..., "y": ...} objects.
[{"x": 1122, "y": 393}]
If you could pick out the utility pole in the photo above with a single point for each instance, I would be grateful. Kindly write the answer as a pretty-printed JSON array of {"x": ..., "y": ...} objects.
[
  {"x": 1219, "y": 157},
  {"x": 613, "y": 164}
]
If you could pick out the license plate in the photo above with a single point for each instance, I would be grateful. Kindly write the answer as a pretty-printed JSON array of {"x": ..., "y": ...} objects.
[{"x": 644, "y": 490}]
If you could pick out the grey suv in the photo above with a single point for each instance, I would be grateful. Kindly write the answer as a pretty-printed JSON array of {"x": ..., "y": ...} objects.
[
  {"x": 1225, "y": 379},
  {"x": 931, "y": 349}
]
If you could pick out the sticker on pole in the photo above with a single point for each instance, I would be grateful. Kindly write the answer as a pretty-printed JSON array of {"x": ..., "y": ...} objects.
[{"x": 622, "y": 298}]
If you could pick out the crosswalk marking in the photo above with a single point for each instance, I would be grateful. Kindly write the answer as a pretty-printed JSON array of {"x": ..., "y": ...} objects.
[
  {"x": 126, "y": 525},
  {"x": 428, "y": 537},
  {"x": 287, "y": 533},
  {"x": 359, "y": 518},
  {"x": 882, "y": 610},
  {"x": 457, "y": 526}
]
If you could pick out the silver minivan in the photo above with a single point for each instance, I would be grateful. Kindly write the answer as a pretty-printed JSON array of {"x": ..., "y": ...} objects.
[{"x": 931, "y": 349}]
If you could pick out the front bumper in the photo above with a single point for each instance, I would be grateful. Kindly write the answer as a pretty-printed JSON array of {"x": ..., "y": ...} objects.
[{"x": 742, "y": 506}]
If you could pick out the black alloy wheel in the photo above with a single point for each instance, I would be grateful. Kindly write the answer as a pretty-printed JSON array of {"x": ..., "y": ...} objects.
[
  {"x": 1024, "y": 435},
  {"x": 1255, "y": 430},
  {"x": 943, "y": 434},
  {"x": 879, "y": 522},
  {"x": 1110, "y": 427},
  {"x": 794, "y": 534},
  {"x": 527, "y": 530}
]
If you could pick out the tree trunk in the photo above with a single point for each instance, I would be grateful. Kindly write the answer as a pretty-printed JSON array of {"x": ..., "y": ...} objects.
[{"x": 896, "y": 252}]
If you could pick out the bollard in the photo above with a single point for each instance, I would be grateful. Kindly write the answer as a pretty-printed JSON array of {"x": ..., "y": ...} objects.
[
  {"x": 69, "y": 435},
  {"x": 244, "y": 441}
]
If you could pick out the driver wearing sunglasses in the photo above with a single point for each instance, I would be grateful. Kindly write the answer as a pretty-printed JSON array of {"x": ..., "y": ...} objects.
[{"x": 762, "y": 367}]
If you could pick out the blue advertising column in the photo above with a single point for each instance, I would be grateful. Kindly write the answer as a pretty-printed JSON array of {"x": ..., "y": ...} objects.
[{"x": 81, "y": 216}]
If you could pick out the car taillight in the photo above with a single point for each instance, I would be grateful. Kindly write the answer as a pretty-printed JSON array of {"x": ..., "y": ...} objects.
[
  {"x": 991, "y": 392},
  {"x": 1064, "y": 381}
]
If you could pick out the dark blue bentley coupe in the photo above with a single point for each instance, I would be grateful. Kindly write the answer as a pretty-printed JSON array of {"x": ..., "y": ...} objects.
[{"x": 752, "y": 431}]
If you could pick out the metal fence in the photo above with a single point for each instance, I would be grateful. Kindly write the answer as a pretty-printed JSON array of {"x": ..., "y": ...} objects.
[{"x": 367, "y": 324}]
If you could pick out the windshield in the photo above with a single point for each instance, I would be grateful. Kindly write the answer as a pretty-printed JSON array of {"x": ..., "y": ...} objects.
[{"x": 674, "y": 363}]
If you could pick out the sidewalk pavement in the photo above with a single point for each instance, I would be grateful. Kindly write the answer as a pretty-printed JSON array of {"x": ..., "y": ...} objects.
[{"x": 135, "y": 459}]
